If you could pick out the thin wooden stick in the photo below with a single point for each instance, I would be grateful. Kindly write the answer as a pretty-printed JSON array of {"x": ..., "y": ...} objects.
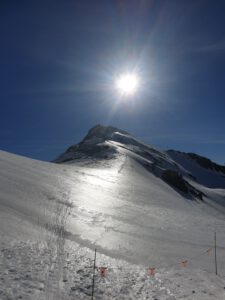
[
  {"x": 216, "y": 271},
  {"x": 93, "y": 279}
]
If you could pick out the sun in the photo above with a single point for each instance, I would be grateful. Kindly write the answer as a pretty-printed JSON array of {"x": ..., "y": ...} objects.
[{"x": 127, "y": 84}]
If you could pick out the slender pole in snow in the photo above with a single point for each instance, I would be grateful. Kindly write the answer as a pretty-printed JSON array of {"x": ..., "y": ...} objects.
[
  {"x": 93, "y": 278},
  {"x": 215, "y": 254}
]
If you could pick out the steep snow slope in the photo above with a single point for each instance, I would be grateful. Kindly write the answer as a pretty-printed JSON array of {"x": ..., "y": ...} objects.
[{"x": 52, "y": 216}]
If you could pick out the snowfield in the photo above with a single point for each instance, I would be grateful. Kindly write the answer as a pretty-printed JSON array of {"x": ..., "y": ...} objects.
[{"x": 53, "y": 216}]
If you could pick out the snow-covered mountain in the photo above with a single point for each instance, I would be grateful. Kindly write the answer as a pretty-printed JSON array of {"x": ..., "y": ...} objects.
[
  {"x": 139, "y": 206},
  {"x": 182, "y": 171}
]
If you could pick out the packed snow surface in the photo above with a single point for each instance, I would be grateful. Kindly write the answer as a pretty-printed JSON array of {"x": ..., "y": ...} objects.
[{"x": 53, "y": 216}]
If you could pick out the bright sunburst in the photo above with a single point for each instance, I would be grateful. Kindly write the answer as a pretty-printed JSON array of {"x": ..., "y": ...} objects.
[{"x": 127, "y": 84}]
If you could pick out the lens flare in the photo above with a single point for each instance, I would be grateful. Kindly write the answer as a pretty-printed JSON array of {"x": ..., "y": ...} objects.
[{"x": 127, "y": 84}]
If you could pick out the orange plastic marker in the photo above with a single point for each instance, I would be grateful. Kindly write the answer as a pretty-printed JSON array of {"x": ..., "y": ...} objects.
[
  {"x": 151, "y": 271},
  {"x": 209, "y": 251},
  {"x": 103, "y": 271},
  {"x": 184, "y": 263}
]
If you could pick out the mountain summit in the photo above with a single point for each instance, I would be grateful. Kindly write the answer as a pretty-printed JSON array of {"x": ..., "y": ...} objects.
[
  {"x": 107, "y": 142},
  {"x": 102, "y": 132}
]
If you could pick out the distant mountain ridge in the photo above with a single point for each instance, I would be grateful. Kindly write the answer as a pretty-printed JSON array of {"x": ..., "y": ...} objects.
[
  {"x": 204, "y": 170},
  {"x": 206, "y": 162}
]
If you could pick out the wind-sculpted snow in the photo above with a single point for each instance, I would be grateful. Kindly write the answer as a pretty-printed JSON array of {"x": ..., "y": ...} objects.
[{"x": 52, "y": 216}]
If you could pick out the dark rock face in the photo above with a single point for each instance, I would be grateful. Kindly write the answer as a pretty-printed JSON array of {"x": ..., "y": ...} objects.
[{"x": 175, "y": 179}]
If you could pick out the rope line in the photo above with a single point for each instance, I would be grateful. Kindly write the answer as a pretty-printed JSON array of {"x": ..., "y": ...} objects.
[{"x": 104, "y": 268}]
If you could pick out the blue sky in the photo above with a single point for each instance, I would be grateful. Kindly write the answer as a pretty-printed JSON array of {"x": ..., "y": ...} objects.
[{"x": 59, "y": 60}]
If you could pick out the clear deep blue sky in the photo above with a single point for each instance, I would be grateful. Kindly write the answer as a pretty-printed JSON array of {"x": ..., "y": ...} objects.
[{"x": 58, "y": 61}]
